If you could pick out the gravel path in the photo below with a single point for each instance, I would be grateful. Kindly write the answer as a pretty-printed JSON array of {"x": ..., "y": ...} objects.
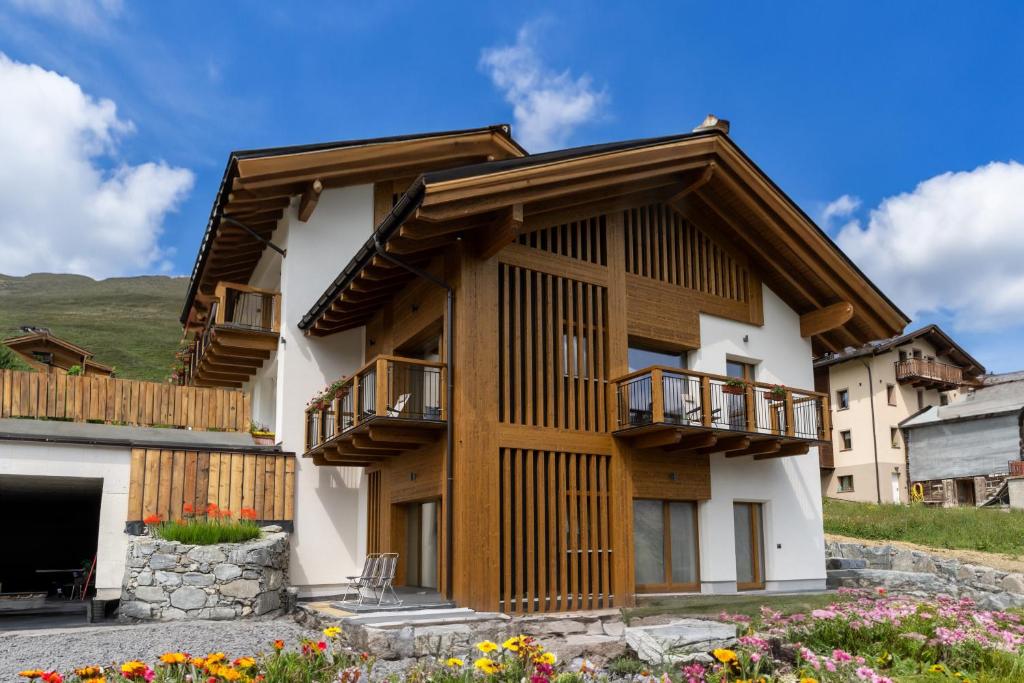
[{"x": 63, "y": 649}]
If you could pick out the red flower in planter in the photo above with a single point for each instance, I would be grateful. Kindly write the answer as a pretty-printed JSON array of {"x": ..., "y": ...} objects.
[
  {"x": 211, "y": 508},
  {"x": 188, "y": 509},
  {"x": 153, "y": 519},
  {"x": 248, "y": 513}
]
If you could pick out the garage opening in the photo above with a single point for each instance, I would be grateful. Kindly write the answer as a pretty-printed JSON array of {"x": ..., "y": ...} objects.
[{"x": 52, "y": 526}]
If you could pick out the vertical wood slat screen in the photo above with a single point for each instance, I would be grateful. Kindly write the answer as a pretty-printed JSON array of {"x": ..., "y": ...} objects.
[
  {"x": 163, "y": 481},
  {"x": 583, "y": 240},
  {"x": 664, "y": 246},
  {"x": 552, "y": 351},
  {"x": 79, "y": 398},
  {"x": 374, "y": 532},
  {"x": 555, "y": 531}
]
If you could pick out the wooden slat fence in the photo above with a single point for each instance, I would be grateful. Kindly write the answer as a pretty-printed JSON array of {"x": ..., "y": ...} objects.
[
  {"x": 163, "y": 481},
  {"x": 121, "y": 401}
]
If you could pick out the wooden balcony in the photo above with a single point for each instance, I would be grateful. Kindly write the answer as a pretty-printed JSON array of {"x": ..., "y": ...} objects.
[
  {"x": 241, "y": 331},
  {"x": 680, "y": 410},
  {"x": 929, "y": 374},
  {"x": 391, "y": 405}
]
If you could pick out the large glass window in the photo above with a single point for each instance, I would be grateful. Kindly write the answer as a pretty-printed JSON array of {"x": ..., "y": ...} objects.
[
  {"x": 665, "y": 541},
  {"x": 641, "y": 357}
]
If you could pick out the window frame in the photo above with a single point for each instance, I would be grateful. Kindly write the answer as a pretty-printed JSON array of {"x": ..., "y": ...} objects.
[
  {"x": 840, "y": 404},
  {"x": 839, "y": 483},
  {"x": 666, "y": 531},
  {"x": 890, "y": 394},
  {"x": 846, "y": 438},
  {"x": 894, "y": 437}
]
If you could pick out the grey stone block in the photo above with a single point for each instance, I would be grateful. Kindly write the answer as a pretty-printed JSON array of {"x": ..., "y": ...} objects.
[
  {"x": 168, "y": 578},
  {"x": 135, "y": 610},
  {"x": 150, "y": 594},
  {"x": 197, "y": 579},
  {"x": 227, "y": 572},
  {"x": 206, "y": 553},
  {"x": 163, "y": 561},
  {"x": 188, "y": 598},
  {"x": 668, "y": 644},
  {"x": 267, "y": 602},
  {"x": 241, "y": 588}
]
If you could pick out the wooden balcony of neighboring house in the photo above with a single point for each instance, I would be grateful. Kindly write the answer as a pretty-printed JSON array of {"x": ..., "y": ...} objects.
[
  {"x": 390, "y": 406},
  {"x": 241, "y": 330},
  {"x": 682, "y": 410},
  {"x": 927, "y": 373}
]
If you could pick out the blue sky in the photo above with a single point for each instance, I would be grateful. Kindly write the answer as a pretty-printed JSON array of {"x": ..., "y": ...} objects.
[{"x": 860, "y": 107}]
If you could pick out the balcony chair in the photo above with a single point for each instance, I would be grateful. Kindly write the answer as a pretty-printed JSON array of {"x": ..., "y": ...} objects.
[{"x": 396, "y": 411}]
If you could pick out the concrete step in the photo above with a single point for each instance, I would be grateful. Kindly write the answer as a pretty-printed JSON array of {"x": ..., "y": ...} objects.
[
  {"x": 393, "y": 619},
  {"x": 845, "y": 563}
]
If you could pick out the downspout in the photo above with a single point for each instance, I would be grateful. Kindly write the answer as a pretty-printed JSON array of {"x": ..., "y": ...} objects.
[
  {"x": 449, "y": 352},
  {"x": 874, "y": 432}
]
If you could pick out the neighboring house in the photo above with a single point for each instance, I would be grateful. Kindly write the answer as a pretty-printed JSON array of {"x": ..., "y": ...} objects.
[
  {"x": 45, "y": 352},
  {"x": 873, "y": 389},
  {"x": 961, "y": 453},
  {"x": 548, "y": 381}
]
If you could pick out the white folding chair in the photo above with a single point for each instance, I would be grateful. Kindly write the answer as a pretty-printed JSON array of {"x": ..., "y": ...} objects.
[
  {"x": 399, "y": 405},
  {"x": 385, "y": 578},
  {"x": 364, "y": 579}
]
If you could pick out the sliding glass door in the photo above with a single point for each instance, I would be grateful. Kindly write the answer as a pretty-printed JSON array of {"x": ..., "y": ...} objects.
[{"x": 665, "y": 546}]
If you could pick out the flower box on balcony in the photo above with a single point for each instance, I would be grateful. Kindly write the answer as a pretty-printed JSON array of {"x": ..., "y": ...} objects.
[
  {"x": 264, "y": 438},
  {"x": 735, "y": 388}
]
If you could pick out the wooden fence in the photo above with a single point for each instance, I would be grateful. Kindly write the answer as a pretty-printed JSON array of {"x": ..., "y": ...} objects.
[
  {"x": 121, "y": 401},
  {"x": 163, "y": 481}
]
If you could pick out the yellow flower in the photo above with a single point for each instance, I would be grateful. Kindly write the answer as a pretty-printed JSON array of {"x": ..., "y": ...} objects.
[
  {"x": 89, "y": 672},
  {"x": 808, "y": 680},
  {"x": 215, "y": 657},
  {"x": 174, "y": 658},
  {"x": 454, "y": 662},
  {"x": 724, "y": 656},
  {"x": 937, "y": 669},
  {"x": 31, "y": 673},
  {"x": 245, "y": 662},
  {"x": 332, "y": 631},
  {"x": 513, "y": 644},
  {"x": 133, "y": 668},
  {"x": 487, "y": 646},
  {"x": 227, "y": 673},
  {"x": 545, "y": 658},
  {"x": 488, "y": 666}
]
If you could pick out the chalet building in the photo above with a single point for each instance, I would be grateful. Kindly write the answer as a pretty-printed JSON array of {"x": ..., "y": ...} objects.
[
  {"x": 549, "y": 381},
  {"x": 873, "y": 389},
  {"x": 962, "y": 453},
  {"x": 43, "y": 351}
]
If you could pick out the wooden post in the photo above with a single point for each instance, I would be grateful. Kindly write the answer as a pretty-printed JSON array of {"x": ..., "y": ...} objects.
[
  {"x": 220, "y": 294},
  {"x": 705, "y": 400},
  {"x": 790, "y": 424},
  {"x": 356, "y": 406},
  {"x": 657, "y": 397},
  {"x": 826, "y": 419},
  {"x": 382, "y": 399},
  {"x": 750, "y": 401}
]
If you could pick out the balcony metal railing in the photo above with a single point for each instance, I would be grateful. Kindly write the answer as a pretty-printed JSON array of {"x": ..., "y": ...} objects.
[
  {"x": 662, "y": 395},
  {"x": 387, "y": 386},
  {"x": 930, "y": 370}
]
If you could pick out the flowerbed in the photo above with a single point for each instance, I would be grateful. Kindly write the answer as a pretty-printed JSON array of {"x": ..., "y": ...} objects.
[{"x": 861, "y": 637}]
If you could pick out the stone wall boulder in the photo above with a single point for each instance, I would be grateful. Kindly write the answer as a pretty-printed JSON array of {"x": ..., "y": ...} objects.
[{"x": 166, "y": 580}]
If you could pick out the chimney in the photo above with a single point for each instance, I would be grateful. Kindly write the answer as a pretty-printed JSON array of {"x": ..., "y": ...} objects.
[{"x": 712, "y": 122}]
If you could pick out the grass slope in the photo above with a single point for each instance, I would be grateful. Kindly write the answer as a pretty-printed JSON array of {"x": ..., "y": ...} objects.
[
  {"x": 130, "y": 323},
  {"x": 993, "y": 531}
]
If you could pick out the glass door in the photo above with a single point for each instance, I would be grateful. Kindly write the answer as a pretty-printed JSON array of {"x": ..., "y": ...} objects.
[
  {"x": 665, "y": 546},
  {"x": 421, "y": 559},
  {"x": 749, "y": 534}
]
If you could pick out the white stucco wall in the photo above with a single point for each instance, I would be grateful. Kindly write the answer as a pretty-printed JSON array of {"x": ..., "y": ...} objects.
[
  {"x": 112, "y": 465},
  {"x": 328, "y": 535},
  {"x": 789, "y": 488}
]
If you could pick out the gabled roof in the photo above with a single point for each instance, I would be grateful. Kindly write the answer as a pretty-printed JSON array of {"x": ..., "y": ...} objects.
[
  {"x": 989, "y": 400},
  {"x": 796, "y": 258},
  {"x": 23, "y": 343},
  {"x": 259, "y": 184},
  {"x": 941, "y": 341}
]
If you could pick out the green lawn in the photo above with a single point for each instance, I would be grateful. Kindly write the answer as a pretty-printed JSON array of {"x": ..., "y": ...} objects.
[
  {"x": 130, "y": 323},
  {"x": 987, "y": 530},
  {"x": 712, "y": 605}
]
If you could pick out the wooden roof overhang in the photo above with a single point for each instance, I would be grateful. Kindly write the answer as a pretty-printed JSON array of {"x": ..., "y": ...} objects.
[
  {"x": 259, "y": 185},
  {"x": 703, "y": 175},
  {"x": 943, "y": 344}
]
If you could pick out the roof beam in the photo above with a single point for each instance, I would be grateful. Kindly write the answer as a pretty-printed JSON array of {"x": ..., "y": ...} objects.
[
  {"x": 308, "y": 202},
  {"x": 502, "y": 232},
  {"x": 700, "y": 182},
  {"x": 825, "y": 319}
]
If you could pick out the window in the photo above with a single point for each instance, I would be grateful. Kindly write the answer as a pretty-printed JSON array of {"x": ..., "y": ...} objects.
[
  {"x": 641, "y": 357},
  {"x": 943, "y": 399},
  {"x": 890, "y": 394},
  {"x": 920, "y": 399},
  {"x": 665, "y": 543},
  {"x": 845, "y": 483},
  {"x": 847, "y": 439},
  {"x": 739, "y": 370},
  {"x": 842, "y": 399},
  {"x": 904, "y": 355},
  {"x": 43, "y": 357},
  {"x": 894, "y": 436},
  {"x": 918, "y": 354}
]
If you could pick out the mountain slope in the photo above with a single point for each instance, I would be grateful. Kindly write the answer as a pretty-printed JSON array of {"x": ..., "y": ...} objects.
[{"x": 130, "y": 323}]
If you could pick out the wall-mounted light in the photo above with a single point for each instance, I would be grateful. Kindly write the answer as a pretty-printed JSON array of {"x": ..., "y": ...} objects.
[
  {"x": 373, "y": 342},
  {"x": 746, "y": 338},
  {"x": 673, "y": 476},
  {"x": 412, "y": 476}
]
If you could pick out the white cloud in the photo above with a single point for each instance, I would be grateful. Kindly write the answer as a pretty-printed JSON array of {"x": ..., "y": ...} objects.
[
  {"x": 60, "y": 209},
  {"x": 84, "y": 14},
  {"x": 547, "y": 105},
  {"x": 954, "y": 245},
  {"x": 841, "y": 207}
]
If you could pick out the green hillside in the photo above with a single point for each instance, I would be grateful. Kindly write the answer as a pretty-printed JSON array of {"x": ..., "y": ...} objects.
[{"x": 130, "y": 323}]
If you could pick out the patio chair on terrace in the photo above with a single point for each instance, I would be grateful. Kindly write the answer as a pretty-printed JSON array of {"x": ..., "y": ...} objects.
[
  {"x": 385, "y": 577},
  {"x": 365, "y": 578}
]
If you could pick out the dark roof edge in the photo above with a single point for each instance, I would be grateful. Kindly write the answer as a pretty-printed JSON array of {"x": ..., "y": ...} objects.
[
  {"x": 407, "y": 203},
  {"x": 141, "y": 443},
  {"x": 959, "y": 418},
  {"x": 231, "y": 170},
  {"x": 884, "y": 345}
]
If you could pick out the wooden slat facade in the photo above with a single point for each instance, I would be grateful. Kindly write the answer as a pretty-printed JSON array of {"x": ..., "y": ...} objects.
[
  {"x": 164, "y": 481},
  {"x": 121, "y": 401}
]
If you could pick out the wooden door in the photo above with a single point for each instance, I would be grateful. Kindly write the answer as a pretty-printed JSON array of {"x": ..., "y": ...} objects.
[{"x": 748, "y": 526}]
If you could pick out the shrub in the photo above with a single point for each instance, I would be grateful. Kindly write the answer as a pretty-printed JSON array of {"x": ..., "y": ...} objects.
[{"x": 216, "y": 526}]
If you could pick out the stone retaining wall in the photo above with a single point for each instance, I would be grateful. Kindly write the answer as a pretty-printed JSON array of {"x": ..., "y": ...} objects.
[
  {"x": 855, "y": 565},
  {"x": 166, "y": 580}
]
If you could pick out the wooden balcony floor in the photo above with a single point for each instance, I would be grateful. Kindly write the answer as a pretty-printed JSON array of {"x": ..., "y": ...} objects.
[
  {"x": 734, "y": 443},
  {"x": 375, "y": 439},
  {"x": 233, "y": 356}
]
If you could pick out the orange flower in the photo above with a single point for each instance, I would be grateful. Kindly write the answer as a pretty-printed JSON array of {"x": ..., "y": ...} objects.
[
  {"x": 31, "y": 673},
  {"x": 278, "y": 644},
  {"x": 188, "y": 509},
  {"x": 211, "y": 508},
  {"x": 247, "y": 513},
  {"x": 174, "y": 658},
  {"x": 88, "y": 672},
  {"x": 52, "y": 677},
  {"x": 153, "y": 519},
  {"x": 225, "y": 514}
]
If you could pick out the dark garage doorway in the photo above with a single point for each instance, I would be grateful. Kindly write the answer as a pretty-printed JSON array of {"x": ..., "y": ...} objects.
[{"x": 51, "y": 525}]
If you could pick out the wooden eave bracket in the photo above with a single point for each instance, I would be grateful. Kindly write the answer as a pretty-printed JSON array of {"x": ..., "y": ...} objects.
[
  {"x": 309, "y": 200},
  {"x": 503, "y": 232},
  {"x": 825, "y": 319},
  {"x": 700, "y": 182}
]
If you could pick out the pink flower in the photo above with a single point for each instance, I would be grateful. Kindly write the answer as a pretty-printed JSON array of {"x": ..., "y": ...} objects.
[
  {"x": 841, "y": 656},
  {"x": 865, "y": 674}
]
